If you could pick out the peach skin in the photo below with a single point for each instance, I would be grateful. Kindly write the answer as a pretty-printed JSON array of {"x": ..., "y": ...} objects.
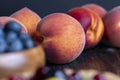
[
  {"x": 91, "y": 22},
  {"x": 96, "y": 8},
  {"x": 112, "y": 26},
  {"x": 29, "y": 18},
  {"x": 61, "y": 36}
]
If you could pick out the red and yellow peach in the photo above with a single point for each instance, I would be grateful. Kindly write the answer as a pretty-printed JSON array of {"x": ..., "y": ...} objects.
[
  {"x": 91, "y": 22},
  {"x": 96, "y": 8}
]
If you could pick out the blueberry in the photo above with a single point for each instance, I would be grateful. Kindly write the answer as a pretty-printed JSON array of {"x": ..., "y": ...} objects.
[
  {"x": 59, "y": 74},
  {"x": 77, "y": 76},
  {"x": 10, "y": 36},
  {"x": 28, "y": 43},
  {"x": 15, "y": 45},
  {"x": 1, "y": 31},
  {"x": 24, "y": 36},
  {"x": 3, "y": 45},
  {"x": 14, "y": 26}
]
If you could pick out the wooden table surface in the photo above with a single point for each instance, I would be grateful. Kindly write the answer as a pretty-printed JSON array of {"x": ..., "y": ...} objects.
[{"x": 101, "y": 57}]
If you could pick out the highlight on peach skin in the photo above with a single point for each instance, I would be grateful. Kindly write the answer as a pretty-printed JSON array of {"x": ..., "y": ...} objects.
[
  {"x": 61, "y": 36},
  {"x": 92, "y": 24}
]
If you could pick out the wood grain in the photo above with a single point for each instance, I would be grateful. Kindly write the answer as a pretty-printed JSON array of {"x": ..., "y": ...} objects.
[{"x": 101, "y": 58}]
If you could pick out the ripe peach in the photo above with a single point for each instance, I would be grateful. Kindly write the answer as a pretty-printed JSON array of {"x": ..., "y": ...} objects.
[
  {"x": 91, "y": 22},
  {"x": 97, "y": 8},
  {"x": 29, "y": 18},
  {"x": 5, "y": 19},
  {"x": 63, "y": 37},
  {"x": 112, "y": 26}
]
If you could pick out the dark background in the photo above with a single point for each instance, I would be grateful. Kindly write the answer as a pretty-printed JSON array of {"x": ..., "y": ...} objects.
[{"x": 45, "y": 7}]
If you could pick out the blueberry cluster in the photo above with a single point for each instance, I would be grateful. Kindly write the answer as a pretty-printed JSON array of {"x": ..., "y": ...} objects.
[{"x": 12, "y": 39}]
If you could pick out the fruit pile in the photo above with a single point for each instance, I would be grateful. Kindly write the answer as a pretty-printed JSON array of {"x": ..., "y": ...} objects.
[
  {"x": 63, "y": 36},
  {"x": 71, "y": 74}
]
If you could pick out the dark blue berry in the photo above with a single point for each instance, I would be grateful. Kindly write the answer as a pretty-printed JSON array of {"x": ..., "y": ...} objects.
[
  {"x": 1, "y": 31},
  {"x": 28, "y": 43},
  {"x": 13, "y": 26},
  {"x": 10, "y": 36},
  {"x": 15, "y": 45},
  {"x": 77, "y": 76},
  {"x": 60, "y": 74},
  {"x": 24, "y": 36},
  {"x": 3, "y": 45}
]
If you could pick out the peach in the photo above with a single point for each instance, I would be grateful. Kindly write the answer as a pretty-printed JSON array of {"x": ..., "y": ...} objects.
[
  {"x": 92, "y": 24},
  {"x": 97, "y": 8},
  {"x": 29, "y": 18},
  {"x": 112, "y": 26},
  {"x": 5, "y": 19},
  {"x": 63, "y": 37}
]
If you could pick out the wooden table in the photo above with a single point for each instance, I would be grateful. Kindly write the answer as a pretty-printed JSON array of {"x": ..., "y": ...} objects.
[{"x": 101, "y": 57}]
